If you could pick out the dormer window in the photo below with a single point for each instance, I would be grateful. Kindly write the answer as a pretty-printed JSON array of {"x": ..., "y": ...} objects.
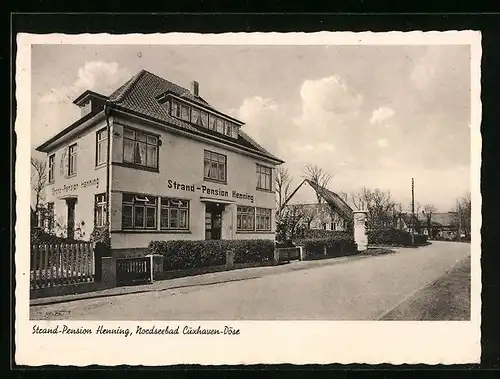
[
  {"x": 86, "y": 108},
  {"x": 185, "y": 112},
  {"x": 198, "y": 116}
]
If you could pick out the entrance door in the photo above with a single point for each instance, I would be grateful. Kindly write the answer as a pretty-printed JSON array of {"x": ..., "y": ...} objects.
[
  {"x": 71, "y": 218},
  {"x": 213, "y": 221}
]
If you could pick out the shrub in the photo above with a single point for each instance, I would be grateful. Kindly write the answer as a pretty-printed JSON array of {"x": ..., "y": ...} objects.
[
  {"x": 320, "y": 233},
  {"x": 336, "y": 245},
  {"x": 183, "y": 254},
  {"x": 253, "y": 251},
  {"x": 394, "y": 237},
  {"x": 389, "y": 236},
  {"x": 420, "y": 239},
  {"x": 40, "y": 236},
  {"x": 101, "y": 235}
]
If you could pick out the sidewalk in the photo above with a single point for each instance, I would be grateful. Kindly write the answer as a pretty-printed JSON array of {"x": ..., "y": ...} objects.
[{"x": 207, "y": 279}]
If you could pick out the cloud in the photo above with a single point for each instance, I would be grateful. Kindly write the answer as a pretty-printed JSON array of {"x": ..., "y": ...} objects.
[
  {"x": 330, "y": 94},
  {"x": 54, "y": 108},
  {"x": 98, "y": 76},
  {"x": 382, "y": 142},
  {"x": 381, "y": 114}
]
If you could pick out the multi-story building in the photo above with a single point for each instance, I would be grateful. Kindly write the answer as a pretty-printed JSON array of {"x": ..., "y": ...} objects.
[{"x": 164, "y": 162}]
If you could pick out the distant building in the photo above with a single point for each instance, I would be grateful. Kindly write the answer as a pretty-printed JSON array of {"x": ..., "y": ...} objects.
[{"x": 444, "y": 225}]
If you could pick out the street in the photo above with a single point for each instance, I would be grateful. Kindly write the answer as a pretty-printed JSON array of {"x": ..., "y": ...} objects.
[{"x": 354, "y": 289}]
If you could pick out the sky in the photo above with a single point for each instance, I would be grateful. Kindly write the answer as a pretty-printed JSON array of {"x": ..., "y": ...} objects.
[{"x": 371, "y": 116}]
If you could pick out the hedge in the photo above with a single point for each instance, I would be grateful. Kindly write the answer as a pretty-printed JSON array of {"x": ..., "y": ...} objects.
[
  {"x": 183, "y": 254},
  {"x": 321, "y": 233},
  {"x": 394, "y": 237},
  {"x": 250, "y": 251},
  {"x": 338, "y": 245},
  {"x": 420, "y": 239},
  {"x": 389, "y": 236}
]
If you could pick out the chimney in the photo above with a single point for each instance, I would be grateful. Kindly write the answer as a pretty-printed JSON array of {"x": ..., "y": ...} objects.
[{"x": 195, "y": 86}]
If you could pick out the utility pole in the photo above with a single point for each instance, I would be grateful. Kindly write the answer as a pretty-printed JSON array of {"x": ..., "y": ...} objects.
[{"x": 412, "y": 212}]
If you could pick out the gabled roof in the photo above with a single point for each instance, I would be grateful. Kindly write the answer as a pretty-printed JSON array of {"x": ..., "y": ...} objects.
[
  {"x": 332, "y": 199},
  {"x": 140, "y": 95}
]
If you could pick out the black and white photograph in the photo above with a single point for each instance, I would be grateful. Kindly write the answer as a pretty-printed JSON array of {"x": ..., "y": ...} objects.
[{"x": 197, "y": 186}]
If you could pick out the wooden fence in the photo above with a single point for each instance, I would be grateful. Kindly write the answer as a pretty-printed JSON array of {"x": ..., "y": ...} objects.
[{"x": 61, "y": 264}]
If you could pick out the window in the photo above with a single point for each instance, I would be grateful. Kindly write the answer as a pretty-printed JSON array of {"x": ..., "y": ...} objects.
[
  {"x": 138, "y": 211},
  {"x": 72, "y": 159},
  {"x": 52, "y": 168},
  {"x": 100, "y": 209},
  {"x": 195, "y": 116},
  {"x": 86, "y": 108},
  {"x": 50, "y": 216},
  {"x": 220, "y": 125},
  {"x": 212, "y": 122},
  {"x": 199, "y": 117},
  {"x": 245, "y": 218},
  {"x": 140, "y": 148},
  {"x": 228, "y": 128},
  {"x": 101, "y": 147},
  {"x": 214, "y": 166},
  {"x": 174, "y": 214},
  {"x": 264, "y": 178},
  {"x": 176, "y": 109},
  {"x": 204, "y": 119},
  {"x": 263, "y": 219},
  {"x": 185, "y": 112}
]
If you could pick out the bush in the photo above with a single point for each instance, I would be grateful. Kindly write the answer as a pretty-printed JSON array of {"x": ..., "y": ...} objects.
[
  {"x": 184, "y": 254},
  {"x": 101, "y": 235},
  {"x": 40, "y": 236},
  {"x": 336, "y": 245},
  {"x": 389, "y": 236},
  {"x": 253, "y": 251},
  {"x": 420, "y": 239},
  {"x": 320, "y": 233}
]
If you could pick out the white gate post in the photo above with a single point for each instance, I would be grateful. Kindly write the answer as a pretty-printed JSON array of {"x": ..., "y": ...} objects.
[{"x": 360, "y": 236}]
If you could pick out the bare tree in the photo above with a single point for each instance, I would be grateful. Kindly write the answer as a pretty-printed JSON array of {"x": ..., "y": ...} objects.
[
  {"x": 428, "y": 211},
  {"x": 283, "y": 182},
  {"x": 309, "y": 213},
  {"x": 463, "y": 214},
  {"x": 318, "y": 176},
  {"x": 38, "y": 181},
  {"x": 382, "y": 211},
  {"x": 288, "y": 225}
]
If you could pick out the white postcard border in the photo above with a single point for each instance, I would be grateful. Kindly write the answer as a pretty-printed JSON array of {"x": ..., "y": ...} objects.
[{"x": 297, "y": 342}]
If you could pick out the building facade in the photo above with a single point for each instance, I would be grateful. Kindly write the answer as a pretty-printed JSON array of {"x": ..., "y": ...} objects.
[{"x": 155, "y": 161}]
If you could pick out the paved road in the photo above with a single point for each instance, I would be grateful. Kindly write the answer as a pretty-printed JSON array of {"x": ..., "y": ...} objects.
[{"x": 363, "y": 289}]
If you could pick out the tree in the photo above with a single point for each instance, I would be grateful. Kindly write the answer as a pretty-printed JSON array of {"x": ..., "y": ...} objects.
[
  {"x": 381, "y": 210},
  {"x": 38, "y": 181},
  {"x": 283, "y": 182},
  {"x": 288, "y": 224},
  {"x": 428, "y": 211},
  {"x": 463, "y": 214},
  {"x": 318, "y": 176}
]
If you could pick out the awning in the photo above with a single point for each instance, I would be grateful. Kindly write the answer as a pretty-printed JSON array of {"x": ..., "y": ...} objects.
[{"x": 212, "y": 200}]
